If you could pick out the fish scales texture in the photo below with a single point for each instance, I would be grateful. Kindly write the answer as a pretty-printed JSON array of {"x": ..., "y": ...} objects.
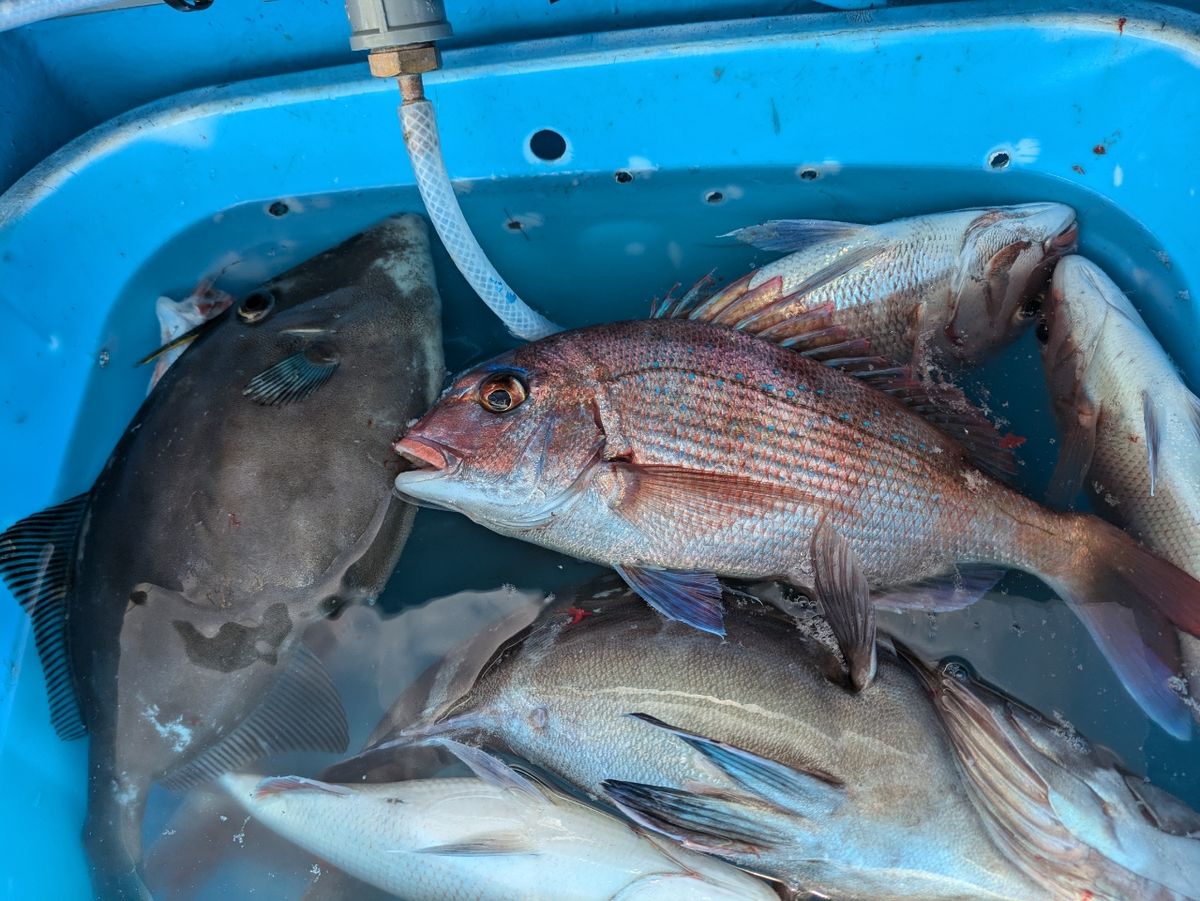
[
  {"x": 462, "y": 838},
  {"x": 926, "y": 803},
  {"x": 713, "y": 400}
]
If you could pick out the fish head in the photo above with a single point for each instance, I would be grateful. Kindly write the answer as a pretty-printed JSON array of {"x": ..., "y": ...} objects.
[
  {"x": 1004, "y": 263},
  {"x": 1078, "y": 305},
  {"x": 510, "y": 442}
]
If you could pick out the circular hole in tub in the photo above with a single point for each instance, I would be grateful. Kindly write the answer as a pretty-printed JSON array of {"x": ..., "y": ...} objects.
[
  {"x": 278, "y": 209},
  {"x": 623, "y": 176},
  {"x": 808, "y": 174},
  {"x": 513, "y": 225},
  {"x": 999, "y": 160},
  {"x": 547, "y": 144},
  {"x": 714, "y": 197}
]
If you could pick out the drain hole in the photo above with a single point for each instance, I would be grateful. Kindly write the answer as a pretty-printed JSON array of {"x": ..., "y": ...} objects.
[
  {"x": 808, "y": 174},
  {"x": 623, "y": 176},
  {"x": 513, "y": 225},
  {"x": 714, "y": 197},
  {"x": 547, "y": 145},
  {"x": 278, "y": 209},
  {"x": 999, "y": 160}
]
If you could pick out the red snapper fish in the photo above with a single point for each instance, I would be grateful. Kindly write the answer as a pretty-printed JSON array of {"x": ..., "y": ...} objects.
[{"x": 675, "y": 450}]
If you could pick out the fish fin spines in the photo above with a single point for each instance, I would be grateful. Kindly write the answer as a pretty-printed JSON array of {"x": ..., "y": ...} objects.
[
  {"x": 292, "y": 379},
  {"x": 490, "y": 845},
  {"x": 491, "y": 769},
  {"x": 842, "y": 589},
  {"x": 954, "y": 590},
  {"x": 1193, "y": 410},
  {"x": 301, "y": 711},
  {"x": 803, "y": 788},
  {"x": 690, "y": 597},
  {"x": 790, "y": 235},
  {"x": 1075, "y": 455},
  {"x": 1153, "y": 434},
  {"x": 703, "y": 822},
  {"x": 37, "y": 555}
]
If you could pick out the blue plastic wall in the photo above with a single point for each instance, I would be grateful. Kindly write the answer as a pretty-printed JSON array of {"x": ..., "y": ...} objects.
[{"x": 897, "y": 118}]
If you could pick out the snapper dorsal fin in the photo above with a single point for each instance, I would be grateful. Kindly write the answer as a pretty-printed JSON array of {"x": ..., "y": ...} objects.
[
  {"x": 812, "y": 331},
  {"x": 36, "y": 558}
]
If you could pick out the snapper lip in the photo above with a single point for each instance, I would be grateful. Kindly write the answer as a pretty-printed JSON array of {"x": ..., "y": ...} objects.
[
  {"x": 1066, "y": 239},
  {"x": 428, "y": 456}
]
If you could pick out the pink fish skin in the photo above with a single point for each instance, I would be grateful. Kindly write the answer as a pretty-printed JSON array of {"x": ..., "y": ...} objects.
[{"x": 685, "y": 447}]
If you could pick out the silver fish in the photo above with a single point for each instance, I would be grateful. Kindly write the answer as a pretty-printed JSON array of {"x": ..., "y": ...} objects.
[
  {"x": 467, "y": 838},
  {"x": 250, "y": 496},
  {"x": 926, "y": 290},
  {"x": 1130, "y": 426},
  {"x": 922, "y": 786}
]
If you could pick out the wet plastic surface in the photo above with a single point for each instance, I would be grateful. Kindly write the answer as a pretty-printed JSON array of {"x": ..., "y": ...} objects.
[{"x": 672, "y": 136}]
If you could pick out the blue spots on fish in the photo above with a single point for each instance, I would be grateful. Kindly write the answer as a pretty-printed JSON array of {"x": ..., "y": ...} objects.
[
  {"x": 768, "y": 388},
  {"x": 739, "y": 377},
  {"x": 790, "y": 393},
  {"x": 866, "y": 423},
  {"x": 844, "y": 417},
  {"x": 691, "y": 376}
]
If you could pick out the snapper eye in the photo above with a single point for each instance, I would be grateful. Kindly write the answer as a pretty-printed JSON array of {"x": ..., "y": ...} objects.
[{"x": 502, "y": 392}]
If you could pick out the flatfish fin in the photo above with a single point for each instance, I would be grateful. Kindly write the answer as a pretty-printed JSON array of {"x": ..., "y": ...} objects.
[
  {"x": 302, "y": 711},
  {"x": 36, "y": 559},
  {"x": 293, "y": 378}
]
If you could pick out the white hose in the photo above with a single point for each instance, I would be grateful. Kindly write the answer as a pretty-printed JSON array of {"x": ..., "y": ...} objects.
[
  {"x": 425, "y": 151},
  {"x": 15, "y": 13}
]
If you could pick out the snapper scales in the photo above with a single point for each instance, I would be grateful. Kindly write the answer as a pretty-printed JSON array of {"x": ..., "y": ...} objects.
[
  {"x": 676, "y": 450},
  {"x": 1130, "y": 426},
  {"x": 925, "y": 785},
  {"x": 250, "y": 496}
]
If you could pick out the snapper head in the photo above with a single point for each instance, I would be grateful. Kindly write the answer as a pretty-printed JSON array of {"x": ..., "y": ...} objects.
[
  {"x": 1005, "y": 261},
  {"x": 511, "y": 442}
]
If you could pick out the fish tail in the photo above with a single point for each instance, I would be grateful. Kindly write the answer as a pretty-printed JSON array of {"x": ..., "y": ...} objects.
[{"x": 1129, "y": 599}]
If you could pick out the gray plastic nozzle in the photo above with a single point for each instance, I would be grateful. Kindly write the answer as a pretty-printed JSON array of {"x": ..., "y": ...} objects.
[{"x": 394, "y": 23}]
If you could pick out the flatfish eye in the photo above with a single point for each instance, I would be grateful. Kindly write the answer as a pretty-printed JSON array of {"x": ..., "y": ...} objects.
[
  {"x": 502, "y": 392},
  {"x": 256, "y": 307}
]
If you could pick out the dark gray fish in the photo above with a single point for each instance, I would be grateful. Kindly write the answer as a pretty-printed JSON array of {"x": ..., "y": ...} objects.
[
  {"x": 250, "y": 497},
  {"x": 924, "y": 785}
]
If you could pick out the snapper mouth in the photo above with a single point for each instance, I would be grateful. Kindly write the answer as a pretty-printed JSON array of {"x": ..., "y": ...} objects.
[
  {"x": 427, "y": 456},
  {"x": 1065, "y": 241}
]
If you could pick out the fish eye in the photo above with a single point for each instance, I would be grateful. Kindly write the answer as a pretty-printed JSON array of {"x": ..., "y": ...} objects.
[
  {"x": 256, "y": 306},
  {"x": 1043, "y": 331},
  {"x": 502, "y": 392}
]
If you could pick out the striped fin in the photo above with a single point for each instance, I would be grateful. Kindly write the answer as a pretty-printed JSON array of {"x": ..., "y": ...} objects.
[
  {"x": 301, "y": 712},
  {"x": 36, "y": 558},
  {"x": 292, "y": 378}
]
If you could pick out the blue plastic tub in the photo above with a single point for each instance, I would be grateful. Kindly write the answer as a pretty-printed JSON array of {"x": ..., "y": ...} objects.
[{"x": 719, "y": 125}]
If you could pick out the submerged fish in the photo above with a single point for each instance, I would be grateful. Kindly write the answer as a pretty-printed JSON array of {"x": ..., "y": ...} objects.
[
  {"x": 674, "y": 450},
  {"x": 467, "y": 838},
  {"x": 1130, "y": 426},
  {"x": 923, "y": 290},
  {"x": 922, "y": 786},
  {"x": 250, "y": 496}
]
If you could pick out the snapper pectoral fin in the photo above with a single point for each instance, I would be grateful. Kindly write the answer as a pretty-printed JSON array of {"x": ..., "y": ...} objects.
[
  {"x": 842, "y": 590},
  {"x": 691, "y": 598}
]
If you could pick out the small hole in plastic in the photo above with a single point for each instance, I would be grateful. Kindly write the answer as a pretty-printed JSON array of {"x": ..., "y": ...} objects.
[
  {"x": 623, "y": 176},
  {"x": 808, "y": 174},
  {"x": 513, "y": 225},
  {"x": 278, "y": 209},
  {"x": 999, "y": 160},
  {"x": 714, "y": 197},
  {"x": 547, "y": 145}
]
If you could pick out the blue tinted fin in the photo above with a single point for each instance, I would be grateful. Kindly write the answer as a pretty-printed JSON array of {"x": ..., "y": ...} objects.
[
  {"x": 37, "y": 555},
  {"x": 293, "y": 378},
  {"x": 954, "y": 590},
  {"x": 703, "y": 822},
  {"x": 692, "y": 598},
  {"x": 808, "y": 790},
  {"x": 490, "y": 769},
  {"x": 844, "y": 596},
  {"x": 790, "y": 235},
  {"x": 1143, "y": 650}
]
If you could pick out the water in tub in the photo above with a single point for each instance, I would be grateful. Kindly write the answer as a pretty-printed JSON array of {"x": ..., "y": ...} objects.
[{"x": 585, "y": 250}]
